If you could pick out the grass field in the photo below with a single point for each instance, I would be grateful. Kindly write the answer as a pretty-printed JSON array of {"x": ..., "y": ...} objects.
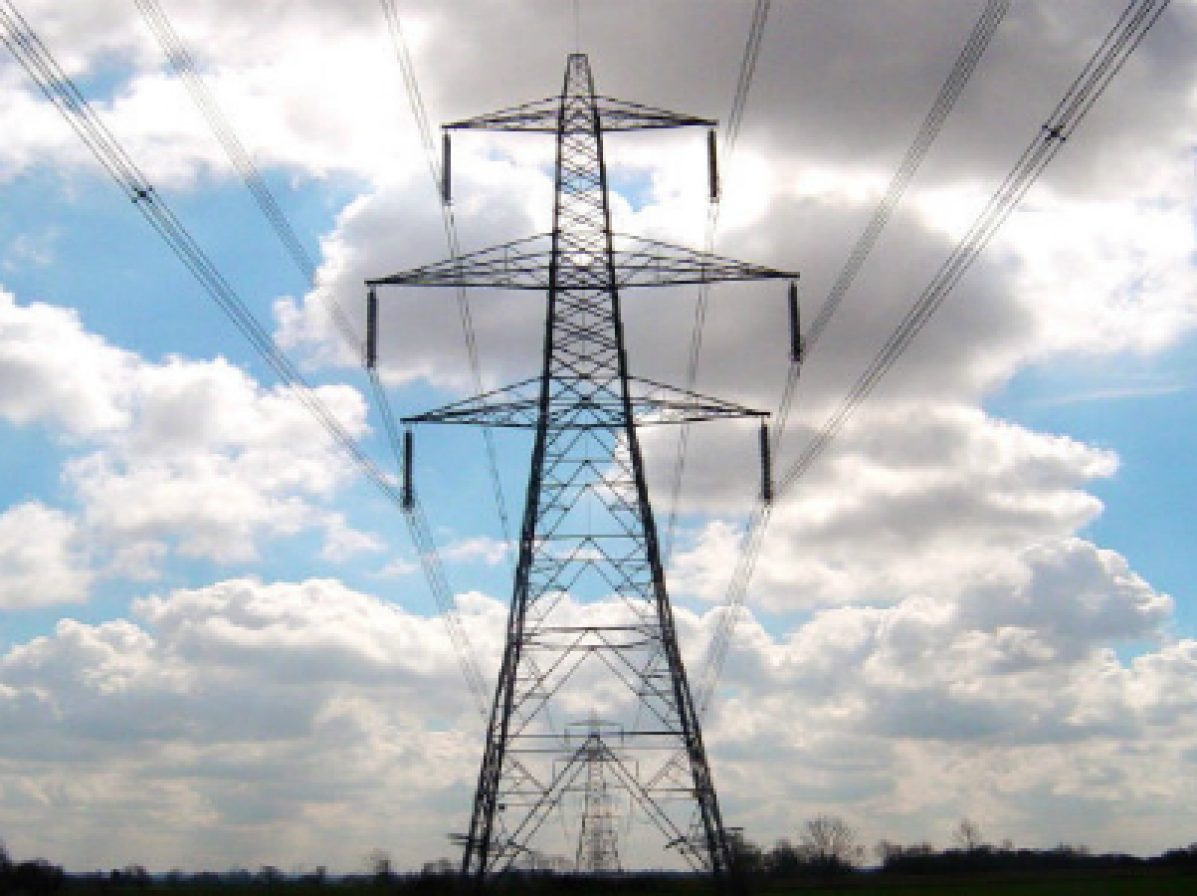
[
  {"x": 1089, "y": 882},
  {"x": 1093, "y": 883}
]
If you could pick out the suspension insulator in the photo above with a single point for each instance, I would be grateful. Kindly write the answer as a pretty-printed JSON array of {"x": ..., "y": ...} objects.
[
  {"x": 446, "y": 169},
  {"x": 795, "y": 324},
  {"x": 408, "y": 496},
  {"x": 371, "y": 329},
  {"x": 766, "y": 465},
  {"x": 713, "y": 165}
]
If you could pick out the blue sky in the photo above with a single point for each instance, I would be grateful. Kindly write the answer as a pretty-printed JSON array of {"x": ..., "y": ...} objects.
[
  {"x": 1142, "y": 409},
  {"x": 202, "y": 603}
]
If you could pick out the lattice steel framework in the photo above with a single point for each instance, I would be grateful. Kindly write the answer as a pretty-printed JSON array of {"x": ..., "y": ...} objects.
[
  {"x": 590, "y": 624},
  {"x": 598, "y": 842}
]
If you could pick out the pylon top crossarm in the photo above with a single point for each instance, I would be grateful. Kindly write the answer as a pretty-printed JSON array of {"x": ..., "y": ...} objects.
[{"x": 541, "y": 117}]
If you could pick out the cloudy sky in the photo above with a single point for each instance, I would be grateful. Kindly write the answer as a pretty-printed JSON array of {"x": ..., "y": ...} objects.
[{"x": 216, "y": 646}]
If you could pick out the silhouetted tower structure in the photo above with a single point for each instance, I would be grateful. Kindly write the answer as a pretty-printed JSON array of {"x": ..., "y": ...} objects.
[
  {"x": 598, "y": 843},
  {"x": 590, "y": 624}
]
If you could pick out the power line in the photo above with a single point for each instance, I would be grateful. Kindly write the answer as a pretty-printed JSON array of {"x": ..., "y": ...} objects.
[
  {"x": 731, "y": 135},
  {"x": 416, "y": 102},
  {"x": 752, "y": 49},
  {"x": 966, "y": 62},
  {"x": 960, "y": 74},
  {"x": 61, "y": 91},
  {"x": 184, "y": 65},
  {"x": 1132, "y": 25},
  {"x": 37, "y": 60}
]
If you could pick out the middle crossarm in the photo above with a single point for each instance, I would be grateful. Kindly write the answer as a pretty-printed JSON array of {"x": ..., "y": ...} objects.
[{"x": 524, "y": 264}]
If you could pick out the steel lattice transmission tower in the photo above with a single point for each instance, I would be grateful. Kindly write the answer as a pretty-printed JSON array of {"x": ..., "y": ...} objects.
[
  {"x": 598, "y": 841},
  {"x": 590, "y": 624}
]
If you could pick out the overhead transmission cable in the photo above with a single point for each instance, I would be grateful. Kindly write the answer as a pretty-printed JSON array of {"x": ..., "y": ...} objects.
[
  {"x": 962, "y": 70},
  {"x": 1088, "y": 87},
  {"x": 731, "y": 134},
  {"x": 183, "y": 63},
  {"x": 420, "y": 113},
  {"x": 1132, "y": 25},
  {"x": 64, "y": 95}
]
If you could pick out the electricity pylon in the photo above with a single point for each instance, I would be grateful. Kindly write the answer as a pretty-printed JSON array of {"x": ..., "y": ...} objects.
[
  {"x": 590, "y": 624},
  {"x": 598, "y": 843}
]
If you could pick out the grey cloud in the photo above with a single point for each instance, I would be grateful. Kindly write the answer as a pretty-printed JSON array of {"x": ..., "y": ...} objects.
[
  {"x": 281, "y": 730},
  {"x": 124, "y": 720},
  {"x": 1074, "y": 591},
  {"x": 910, "y": 498}
]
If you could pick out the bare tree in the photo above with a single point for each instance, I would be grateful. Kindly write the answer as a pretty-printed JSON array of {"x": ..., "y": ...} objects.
[
  {"x": 831, "y": 843},
  {"x": 967, "y": 835},
  {"x": 378, "y": 863},
  {"x": 885, "y": 850},
  {"x": 747, "y": 857}
]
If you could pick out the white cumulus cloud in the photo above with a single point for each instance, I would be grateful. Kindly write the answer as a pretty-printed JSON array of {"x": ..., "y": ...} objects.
[{"x": 41, "y": 560}]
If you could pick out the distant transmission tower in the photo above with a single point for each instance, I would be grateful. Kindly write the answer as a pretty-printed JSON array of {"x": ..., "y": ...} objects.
[
  {"x": 598, "y": 844},
  {"x": 590, "y": 625}
]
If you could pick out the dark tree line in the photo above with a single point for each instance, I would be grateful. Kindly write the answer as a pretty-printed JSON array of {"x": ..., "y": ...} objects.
[
  {"x": 825, "y": 847},
  {"x": 922, "y": 859},
  {"x": 33, "y": 876},
  {"x": 828, "y": 846}
]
